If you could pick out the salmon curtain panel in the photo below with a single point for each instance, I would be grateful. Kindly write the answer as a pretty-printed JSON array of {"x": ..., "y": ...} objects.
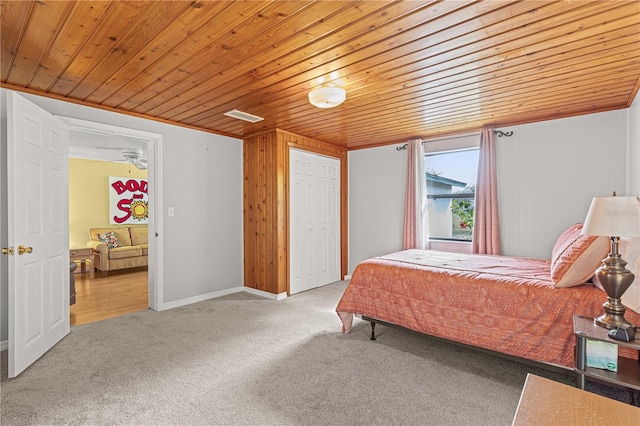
[
  {"x": 486, "y": 223},
  {"x": 416, "y": 227}
]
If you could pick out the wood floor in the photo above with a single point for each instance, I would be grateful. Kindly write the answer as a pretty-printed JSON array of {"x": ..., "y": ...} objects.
[{"x": 119, "y": 293}]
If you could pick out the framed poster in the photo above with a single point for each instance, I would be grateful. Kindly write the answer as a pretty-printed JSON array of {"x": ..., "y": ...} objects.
[{"x": 128, "y": 201}]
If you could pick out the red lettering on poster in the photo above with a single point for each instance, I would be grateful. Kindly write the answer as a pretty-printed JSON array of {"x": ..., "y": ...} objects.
[{"x": 125, "y": 204}]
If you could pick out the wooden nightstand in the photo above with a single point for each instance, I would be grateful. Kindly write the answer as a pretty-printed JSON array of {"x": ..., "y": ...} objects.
[
  {"x": 628, "y": 374},
  {"x": 83, "y": 255}
]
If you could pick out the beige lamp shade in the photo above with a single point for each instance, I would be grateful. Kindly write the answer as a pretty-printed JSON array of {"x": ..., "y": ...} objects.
[{"x": 613, "y": 217}]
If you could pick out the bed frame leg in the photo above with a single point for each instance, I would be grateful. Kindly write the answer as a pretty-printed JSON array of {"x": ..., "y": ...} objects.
[{"x": 373, "y": 331}]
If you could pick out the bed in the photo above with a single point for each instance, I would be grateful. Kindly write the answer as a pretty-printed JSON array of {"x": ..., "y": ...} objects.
[{"x": 510, "y": 305}]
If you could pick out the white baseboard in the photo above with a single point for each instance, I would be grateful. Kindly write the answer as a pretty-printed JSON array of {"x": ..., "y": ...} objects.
[
  {"x": 266, "y": 294},
  {"x": 347, "y": 277},
  {"x": 4, "y": 345},
  {"x": 202, "y": 297},
  {"x": 216, "y": 294}
]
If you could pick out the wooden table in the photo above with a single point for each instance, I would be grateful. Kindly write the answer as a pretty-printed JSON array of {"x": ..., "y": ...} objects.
[
  {"x": 545, "y": 402},
  {"x": 83, "y": 255}
]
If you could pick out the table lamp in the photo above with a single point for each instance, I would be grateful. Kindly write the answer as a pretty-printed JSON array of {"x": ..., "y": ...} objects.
[{"x": 613, "y": 217}]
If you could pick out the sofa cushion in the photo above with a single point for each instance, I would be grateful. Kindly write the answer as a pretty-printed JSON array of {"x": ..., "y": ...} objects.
[
  {"x": 122, "y": 233},
  {"x": 127, "y": 251},
  {"x": 139, "y": 235},
  {"x": 128, "y": 262},
  {"x": 145, "y": 249}
]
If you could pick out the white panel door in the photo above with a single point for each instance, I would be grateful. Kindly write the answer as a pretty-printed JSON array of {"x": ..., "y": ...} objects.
[
  {"x": 329, "y": 220},
  {"x": 38, "y": 216},
  {"x": 302, "y": 171},
  {"x": 314, "y": 223}
]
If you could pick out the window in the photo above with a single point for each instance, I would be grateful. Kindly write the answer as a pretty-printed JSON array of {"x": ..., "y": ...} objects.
[{"x": 451, "y": 183}]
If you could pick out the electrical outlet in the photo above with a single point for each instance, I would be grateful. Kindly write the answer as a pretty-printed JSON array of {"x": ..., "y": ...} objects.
[{"x": 171, "y": 211}]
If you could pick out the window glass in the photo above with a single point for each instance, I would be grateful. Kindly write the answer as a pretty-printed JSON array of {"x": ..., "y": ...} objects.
[{"x": 451, "y": 183}]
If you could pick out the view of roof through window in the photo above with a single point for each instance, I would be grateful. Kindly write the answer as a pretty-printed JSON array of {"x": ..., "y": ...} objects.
[
  {"x": 459, "y": 166},
  {"x": 451, "y": 181}
]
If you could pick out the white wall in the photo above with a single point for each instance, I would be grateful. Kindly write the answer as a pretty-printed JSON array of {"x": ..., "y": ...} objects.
[
  {"x": 203, "y": 180},
  {"x": 548, "y": 174},
  {"x": 633, "y": 148},
  {"x": 376, "y": 202}
]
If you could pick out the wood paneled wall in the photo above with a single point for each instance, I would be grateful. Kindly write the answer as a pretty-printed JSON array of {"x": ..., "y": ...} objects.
[{"x": 266, "y": 206}]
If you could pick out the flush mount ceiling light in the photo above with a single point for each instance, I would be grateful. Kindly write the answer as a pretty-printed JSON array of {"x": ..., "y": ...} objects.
[{"x": 327, "y": 96}]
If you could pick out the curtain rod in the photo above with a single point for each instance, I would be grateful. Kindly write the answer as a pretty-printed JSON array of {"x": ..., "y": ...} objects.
[{"x": 499, "y": 133}]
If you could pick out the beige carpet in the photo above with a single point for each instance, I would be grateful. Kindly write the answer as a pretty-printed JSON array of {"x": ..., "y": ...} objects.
[{"x": 242, "y": 359}]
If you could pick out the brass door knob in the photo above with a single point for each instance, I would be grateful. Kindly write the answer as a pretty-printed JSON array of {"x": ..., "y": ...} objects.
[{"x": 23, "y": 250}]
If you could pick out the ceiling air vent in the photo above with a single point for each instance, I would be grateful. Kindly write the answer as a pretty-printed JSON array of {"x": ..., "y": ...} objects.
[{"x": 243, "y": 116}]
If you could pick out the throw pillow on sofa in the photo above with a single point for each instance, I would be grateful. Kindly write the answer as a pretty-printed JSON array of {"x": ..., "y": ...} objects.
[{"x": 109, "y": 239}]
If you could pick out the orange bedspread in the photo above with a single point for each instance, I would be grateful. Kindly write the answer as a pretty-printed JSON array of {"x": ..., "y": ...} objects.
[{"x": 501, "y": 303}]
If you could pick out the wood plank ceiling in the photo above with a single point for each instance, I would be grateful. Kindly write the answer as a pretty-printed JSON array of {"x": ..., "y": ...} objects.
[{"x": 410, "y": 68}]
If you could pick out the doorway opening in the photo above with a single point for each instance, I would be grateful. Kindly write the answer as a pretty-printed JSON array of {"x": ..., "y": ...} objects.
[{"x": 99, "y": 153}]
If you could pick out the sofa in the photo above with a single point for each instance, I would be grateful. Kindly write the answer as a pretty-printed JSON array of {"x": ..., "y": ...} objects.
[{"x": 119, "y": 247}]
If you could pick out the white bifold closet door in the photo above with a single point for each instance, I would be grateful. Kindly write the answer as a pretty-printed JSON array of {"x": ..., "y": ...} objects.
[{"x": 314, "y": 220}]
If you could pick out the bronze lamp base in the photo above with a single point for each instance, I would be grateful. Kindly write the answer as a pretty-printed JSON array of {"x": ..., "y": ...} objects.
[{"x": 615, "y": 280}]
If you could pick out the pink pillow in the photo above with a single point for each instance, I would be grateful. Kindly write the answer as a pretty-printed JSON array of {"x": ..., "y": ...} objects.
[{"x": 575, "y": 257}]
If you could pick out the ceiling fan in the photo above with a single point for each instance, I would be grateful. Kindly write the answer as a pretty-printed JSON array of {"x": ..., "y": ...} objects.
[
  {"x": 87, "y": 143},
  {"x": 129, "y": 155},
  {"x": 135, "y": 158}
]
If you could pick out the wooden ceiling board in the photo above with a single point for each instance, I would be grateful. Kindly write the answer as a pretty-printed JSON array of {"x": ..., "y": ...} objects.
[
  {"x": 149, "y": 26},
  {"x": 98, "y": 45},
  {"x": 422, "y": 99},
  {"x": 410, "y": 68},
  {"x": 13, "y": 22},
  {"x": 160, "y": 56},
  {"x": 72, "y": 35},
  {"x": 301, "y": 81},
  {"x": 184, "y": 63},
  {"x": 126, "y": 78},
  {"x": 35, "y": 44},
  {"x": 228, "y": 65},
  {"x": 240, "y": 80},
  {"x": 285, "y": 124}
]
